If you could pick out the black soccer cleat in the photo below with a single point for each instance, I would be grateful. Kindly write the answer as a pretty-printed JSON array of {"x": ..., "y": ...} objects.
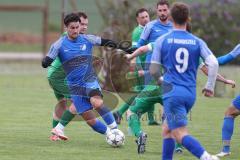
[
  {"x": 117, "y": 117},
  {"x": 141, "y": 143}
]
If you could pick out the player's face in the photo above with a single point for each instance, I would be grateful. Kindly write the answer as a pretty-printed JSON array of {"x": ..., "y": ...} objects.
[
  {"x": 163, "y": 12},
  {"x": 83, "y": 25},
  {"x": 143, "y": 18},
  {"x": 73, "y": 30}
]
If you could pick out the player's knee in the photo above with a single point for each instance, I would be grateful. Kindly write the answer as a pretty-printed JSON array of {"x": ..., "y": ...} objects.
[
  {"x": 166, "y": 133},
  {"x": 232, "y": 112},
  {"x": 91, "y": 122},
  {"x": 72, "y": 109},
  {"x": 96, "y": 102},
  {"x": 129, "y": 114}
]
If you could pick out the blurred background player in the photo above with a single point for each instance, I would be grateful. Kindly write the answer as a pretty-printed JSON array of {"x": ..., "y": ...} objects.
[
  {"x": 142, "y": 17},
  {"x": 232, "y": 111},
  {"x": 179, "y": 52}
]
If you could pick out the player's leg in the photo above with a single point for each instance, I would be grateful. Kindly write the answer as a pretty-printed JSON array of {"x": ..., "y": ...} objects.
[
  {"x": 97, "y": 103},
  {"x": 228, "y": 126},
  {"x": 68, "y": 115},
  {"x": 151, "y": 120},
  {"x": 122, "y": 109},
  {"x": 176, "y": 109}
]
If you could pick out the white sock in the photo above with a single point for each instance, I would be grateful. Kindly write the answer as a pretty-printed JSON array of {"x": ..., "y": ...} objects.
[
  {"x": 113, "y": 125},
  {"x": 60, "y": 126},
  {"x": 108, "y": 131}
]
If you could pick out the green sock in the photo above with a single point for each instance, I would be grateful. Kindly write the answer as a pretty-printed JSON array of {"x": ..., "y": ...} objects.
[
  {"x": 178, "y": 145},
  {"x": 66, "y": 117},
  {"x": 151, "y": 114},
  {"x": 54, "y": 123},
  {"x": 134, "y": 124},
  {"x": 123, "y": 108}
]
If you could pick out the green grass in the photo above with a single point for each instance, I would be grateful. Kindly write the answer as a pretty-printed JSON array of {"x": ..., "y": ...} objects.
[{"x": 25, "y": 122}]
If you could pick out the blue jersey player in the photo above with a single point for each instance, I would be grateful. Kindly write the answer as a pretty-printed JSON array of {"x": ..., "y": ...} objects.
[
  {"x": 179, "y": 52},
  {"x": 232, "y": 111},
  {"x": 75, "y": 53}
]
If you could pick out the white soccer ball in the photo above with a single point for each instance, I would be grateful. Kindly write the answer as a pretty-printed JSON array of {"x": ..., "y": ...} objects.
[{"x": 115, "y": 138}]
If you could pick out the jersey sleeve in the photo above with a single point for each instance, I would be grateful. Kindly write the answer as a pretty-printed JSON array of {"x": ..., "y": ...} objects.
[
  {"x": 204, "y": 50},
  {"x": 156, "y": 55},
  {"x": 146, "y": 32},
  {"x": 95, "y": 40},
  {"x": 150, "y": 46},
  {"x": 54, "y": 49}
]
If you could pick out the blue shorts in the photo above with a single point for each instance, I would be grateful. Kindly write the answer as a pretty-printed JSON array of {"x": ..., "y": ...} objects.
[
  {"x": 176, "y": 109},
  {"x": 81, "y": 95},
  {"x": 236, "y": 102}
]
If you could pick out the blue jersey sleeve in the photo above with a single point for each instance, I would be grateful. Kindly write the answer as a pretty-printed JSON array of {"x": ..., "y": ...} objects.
[
  {"x": 146, "y": 32},
  {"x": 229, "y": 56},
  {"x": 204, "y": 50},
  {"x": 95, "y": 40},
  {"x": 54, "y": 49},
  {"x": 156, "y": 56}
]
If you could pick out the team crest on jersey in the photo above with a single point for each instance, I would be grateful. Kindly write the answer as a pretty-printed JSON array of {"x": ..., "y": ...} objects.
[{"x": 83, "y": 47}]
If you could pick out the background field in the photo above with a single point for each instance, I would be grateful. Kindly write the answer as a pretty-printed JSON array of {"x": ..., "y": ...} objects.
[{"x": 25, "y": 119}]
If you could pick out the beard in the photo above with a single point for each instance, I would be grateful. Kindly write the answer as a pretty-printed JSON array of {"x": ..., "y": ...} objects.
[{"x": 163, "y": 18}]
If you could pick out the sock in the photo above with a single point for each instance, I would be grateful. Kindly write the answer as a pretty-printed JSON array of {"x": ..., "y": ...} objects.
[
  {"x": 99, "y": 127},
  {"x": 227, "y": 132},
  {"x": 193, "y": 146},
  {"x": 107, "y": 116},
  {"x": 151, "y": 114},
  {"x": 168, "y": 148},
  {"x": 60, "y": 126},
  {"x": 54, "y": 123},
  {"x": 66, "y": 117},
  {"x": 134, "y": 124},
  {"x": 125, "y": 106}
]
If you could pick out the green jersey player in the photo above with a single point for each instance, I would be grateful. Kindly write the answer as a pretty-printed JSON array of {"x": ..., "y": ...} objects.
[{"x": 142, "y": 17}]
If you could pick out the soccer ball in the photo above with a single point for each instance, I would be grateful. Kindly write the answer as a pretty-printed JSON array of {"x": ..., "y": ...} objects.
[{"x": 115, "y": 138}]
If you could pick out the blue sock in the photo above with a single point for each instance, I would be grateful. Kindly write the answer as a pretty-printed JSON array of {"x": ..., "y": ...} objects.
[
  {"x": 227, "y": 132},
  {"x": 99, "y": 127},
  {"x": 193, "y": 146},
  {"x": 107, "y": 116},
  {"x": 168, "y": 148}
]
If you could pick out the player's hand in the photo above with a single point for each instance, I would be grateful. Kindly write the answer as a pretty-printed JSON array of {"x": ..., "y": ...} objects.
[
  {"x": 141, "y": 73},
  {"x": 207, "y": 93},
  {"x": 231, "y": 82},
  {"x": 128, "y": 57}
]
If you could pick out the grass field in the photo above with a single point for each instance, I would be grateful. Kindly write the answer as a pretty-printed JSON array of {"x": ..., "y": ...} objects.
[{"x": 25, "y": 122}]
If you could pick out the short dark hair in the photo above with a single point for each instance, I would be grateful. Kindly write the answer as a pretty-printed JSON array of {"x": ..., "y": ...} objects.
[
  {"x": 140, "y": 11},
  {"x": 82, "y": 14},
  {"x": 163, "y": 2},
  {"x": 180, "y": 13},
  {"x": 71, "y": 17}
]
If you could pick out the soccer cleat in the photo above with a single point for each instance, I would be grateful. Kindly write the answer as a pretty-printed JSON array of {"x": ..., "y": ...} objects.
[
  {"x": 117, "y": 117},
  {"x": 223, "y": 154},
  {"x": 54, "y": 138},
  {"x": 214, "y": 158},
  {"x": 141, "y": 143},
  {"x": 59, "y": 133},
  {"x": 179, "y": 150},
  {"x": 153, "y": 123}
]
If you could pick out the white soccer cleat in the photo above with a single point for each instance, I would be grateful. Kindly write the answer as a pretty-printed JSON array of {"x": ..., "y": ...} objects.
[
  {"x": 223, "y": 154},
  {"x": 214, "y": 158},
  {"x": 59, "y": 133}
]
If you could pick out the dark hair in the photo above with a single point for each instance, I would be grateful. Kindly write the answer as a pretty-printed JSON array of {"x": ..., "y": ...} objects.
[
  {"x": 180, "y": 13},
  {"x": 140, "y": 11},
  {"x": 71, "y": 17},
  {"x": 163, "y": 2},
  {"x": 82, "y": 14}
]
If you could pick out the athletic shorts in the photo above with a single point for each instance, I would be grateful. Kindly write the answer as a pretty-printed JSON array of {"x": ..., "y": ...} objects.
[
  {"x": 176, "y": 109},
  {"x": 57, "y": 81},
  {"x": 144, "y": 102},
  {"x": 236, "y": 102},
  {"x": 81, "y": 96}
]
